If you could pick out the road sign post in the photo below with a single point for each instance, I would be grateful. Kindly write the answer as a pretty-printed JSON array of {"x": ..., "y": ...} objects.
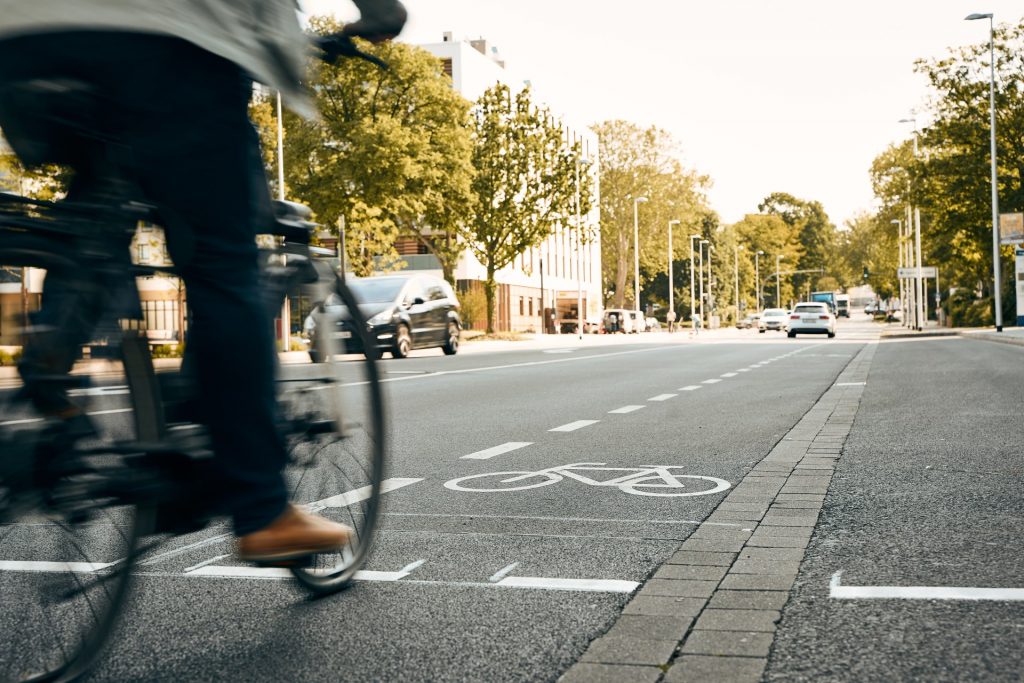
[{"x": 1019, "y": 279}]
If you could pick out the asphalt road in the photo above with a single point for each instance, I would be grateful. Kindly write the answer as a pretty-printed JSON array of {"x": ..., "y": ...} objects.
[{"x": 512, "y": 585}]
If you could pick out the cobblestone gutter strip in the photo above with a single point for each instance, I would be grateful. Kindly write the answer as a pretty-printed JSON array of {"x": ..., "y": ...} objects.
[{"x": 709, "y": 612}]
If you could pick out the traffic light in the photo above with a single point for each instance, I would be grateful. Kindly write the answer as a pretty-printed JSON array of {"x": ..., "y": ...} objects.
[{"x": 866, "y": 274}]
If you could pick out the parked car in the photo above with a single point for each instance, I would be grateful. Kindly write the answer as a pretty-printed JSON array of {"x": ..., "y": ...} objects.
[
  {"x": 617, "y": 320},
  {"x": 810, "y": 317},
  {"x": 403, "y": 312},
  {"x": 748, "y": 322},
  {"x": 773, "y": 319}
]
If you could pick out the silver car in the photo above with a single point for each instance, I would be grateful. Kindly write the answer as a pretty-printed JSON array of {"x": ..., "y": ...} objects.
[{"x": 773, "y": 319}]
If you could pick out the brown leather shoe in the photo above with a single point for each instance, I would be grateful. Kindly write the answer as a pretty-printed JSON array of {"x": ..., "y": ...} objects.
[{"x": 295, "y": 534}]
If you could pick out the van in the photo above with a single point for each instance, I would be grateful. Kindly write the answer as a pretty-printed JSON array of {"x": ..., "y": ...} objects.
[{"x": 842, "y": 306}]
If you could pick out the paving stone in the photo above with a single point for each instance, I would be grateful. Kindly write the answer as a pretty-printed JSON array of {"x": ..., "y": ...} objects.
[
  {"x": 758, "y": 582},
  {"x": 738, "y": 620},
  {"x": 665, "y": 606},
  {"x": 679, "y": 588},
  {"x": 690, "y": 572},
  {"x": 650, "y": 627},
  {"x": 704, "y": 669},
  {"x": 742, "y": 507},
  {"x": 783, "y": 520},
  {"x": 700, "y": 545},
  {"x": 778, "y": 542},
  {"x": 607, "y": 650},
  {"x": 811, "y": 490},
  {"x": 710, "y": 559},
  {"x": 728, "y": 533},
  {"x": 798, "y": 504},
  {"x": 728, "y": 643},
  {"x": 784, "y": 531},
  {"x": 777, "y": 511},
  {"x": 755, "y": 600},
  {"x": 801, "y": 480},
  {"x": 734, "y": 516},
  {"x": 585, "y": 672},
  {"x": 764, "y": 567},
  {"x": 773, "y": 554},
  {"x": 809, "y": 497}
]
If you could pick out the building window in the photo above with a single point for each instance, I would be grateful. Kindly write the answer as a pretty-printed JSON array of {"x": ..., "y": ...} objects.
[
  {"x": 521, "y": 305},
  {"x": 143, "y": 253},
  {"x": 531, "y": 306}
]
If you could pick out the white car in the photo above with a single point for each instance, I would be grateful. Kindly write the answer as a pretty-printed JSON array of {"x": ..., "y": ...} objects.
[
  {"x": 811, "y": 318},
  {"x": 773, "y": 319}
]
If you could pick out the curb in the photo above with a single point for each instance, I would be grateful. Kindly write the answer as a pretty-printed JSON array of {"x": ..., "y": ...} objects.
[{"x": 999, "y": 337}]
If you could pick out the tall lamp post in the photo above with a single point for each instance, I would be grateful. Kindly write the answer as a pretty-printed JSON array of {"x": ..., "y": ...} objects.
[
  {"x": 636, "y": 250},
  {"x": 736, "y": 278},
  {"x": 579, "y": 252},
  {"x": 757, "y": 280},
  {"x": 995, "y": 188},
  {"x": 701, "y": 281},
  {"x": 899, "y": 244},
  {"x": 693, "y": 303},
  {"x": 711, "y": 294},
  {"x": 671, "y": 291},
  {"x": 778, "y": 295}
]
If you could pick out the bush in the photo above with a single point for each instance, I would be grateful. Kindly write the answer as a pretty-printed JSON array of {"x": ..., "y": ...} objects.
[
  {"x": 473, "y": 309},
  {"x": 967, "y": 311},
  {"x": 167, "y": 350},
  {"x": 10, "y": 358}
]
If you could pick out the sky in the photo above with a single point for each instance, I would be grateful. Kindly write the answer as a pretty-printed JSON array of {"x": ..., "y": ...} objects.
[{"x": 763, "y": 96}]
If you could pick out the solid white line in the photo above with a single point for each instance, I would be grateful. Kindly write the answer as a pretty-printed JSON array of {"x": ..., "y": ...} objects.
[
  {"x": 497, "y": 450},
  {"x": 359, "y": 495},
  {"x": 625, "y": 409},
  {"x": 573, "y": 426},
  {"x": 662, "y": 397},
  {"x": 921, "y": 592},
  {"x": 412, "y": 566},
  {"x": 690, "y": 387},
  {"x": 711, "y": 381},
  {"x": 851, "y": 384},
  {"x": 33, "y": 420},
  {"x": 594, "y": 585},
  {"x": 562, "y": 519},
  {"x": 100, "y": 391},
  {"x": 728, "y": 374},
  {"x": 743, "y": 370},
  {"x": 32, "y": 566},
  {"x": 280, "y": 573},
  {"x": 206, "y": 562},
  {"x": 111, "y": 412},
  {"x": 502, "y": 573}
]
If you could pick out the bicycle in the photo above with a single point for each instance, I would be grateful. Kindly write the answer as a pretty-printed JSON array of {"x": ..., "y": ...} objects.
[
  {"x": 638, "y": 482},
  {"x": 77, "y": 515}
]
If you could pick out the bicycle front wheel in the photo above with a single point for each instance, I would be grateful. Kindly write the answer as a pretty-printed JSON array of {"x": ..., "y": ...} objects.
[{"x": 335, "y": 428}]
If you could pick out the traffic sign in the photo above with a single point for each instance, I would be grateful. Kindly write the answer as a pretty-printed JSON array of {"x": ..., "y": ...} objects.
[
  {"x": 911, "y": 273},
  {"x": 1011, "y": 228}
]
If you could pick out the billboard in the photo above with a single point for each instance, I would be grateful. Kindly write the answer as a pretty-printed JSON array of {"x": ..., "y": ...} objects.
[{"x": 1011, "y": 228}]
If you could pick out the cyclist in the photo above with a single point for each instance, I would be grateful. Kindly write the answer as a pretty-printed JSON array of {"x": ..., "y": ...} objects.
[{"x": 170, "y": 84}]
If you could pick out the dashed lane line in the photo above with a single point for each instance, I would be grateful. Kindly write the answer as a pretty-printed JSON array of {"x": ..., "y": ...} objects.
[
  {"x": 711, "y": 381},
  {"x": 839, "y": 592},
  {"x": 728, "y": 374},
  {"x": 662, "y": 397},
  {"x": 573, "y": 426},
  {"x": 497, "y": 450},
  {"x": 626, "y": 409},
  {"x": 690, "y": 387}
]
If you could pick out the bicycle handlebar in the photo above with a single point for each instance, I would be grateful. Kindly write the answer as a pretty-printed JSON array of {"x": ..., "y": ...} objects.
[{"x": 338, "y": 45}]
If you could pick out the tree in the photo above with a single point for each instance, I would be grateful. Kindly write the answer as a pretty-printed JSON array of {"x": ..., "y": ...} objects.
[
  {"x": 525, "y": 181},
  {"x": 771, "y": 234},
  {"x": 643, "y": 162},
  {"x": 390, "y": 153},
  {"x": 815, "y": 233}
]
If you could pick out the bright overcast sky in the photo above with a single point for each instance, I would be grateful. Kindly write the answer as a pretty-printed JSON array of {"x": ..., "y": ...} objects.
[{"x": 795, "y": 96}]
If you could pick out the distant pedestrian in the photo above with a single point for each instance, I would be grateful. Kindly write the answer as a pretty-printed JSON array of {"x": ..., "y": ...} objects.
[{"x": 671, "y": 320}]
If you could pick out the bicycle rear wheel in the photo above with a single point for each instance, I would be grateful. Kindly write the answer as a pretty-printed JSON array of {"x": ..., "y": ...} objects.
[
  {"x": 335, "y": 422},
  {"x": 67, "y": 540}
]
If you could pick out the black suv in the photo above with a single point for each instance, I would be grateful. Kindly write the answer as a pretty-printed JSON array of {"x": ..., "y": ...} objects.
[{"x": 403, "y": 312}]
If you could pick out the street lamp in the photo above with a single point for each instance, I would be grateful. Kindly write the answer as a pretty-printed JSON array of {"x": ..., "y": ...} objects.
[
  {"x": 701, "y": 281},
  {"x": 778, "y": 296},
  {"x": 914, "y": 223},
  {"x": 736, "y": 278},
  {"x": 671, "y": 293},
  {"x": 711, "y": 296},
  {"x": 693, "y": 303},
  {"x": 636, "y": 250},
  {"x": 995, "y": 187},
  {"x": 899, "y": 244},
  {"x": 579, "y": 252},
  {"x": 757, "y": 280}
]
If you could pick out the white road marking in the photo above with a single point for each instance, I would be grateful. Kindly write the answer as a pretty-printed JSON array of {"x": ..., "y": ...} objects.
[
  {"x": 743, "y": 370},
  {"x": 502, "y": 573},
  {"x": 662, "y": 397},
  {"x": 573, "y": 426},
  {"x": 590, "y": 585},
  {"x": 359, "y": 495},
  {"x": 851, "y": 384},
  {"x": 204, "y": 563},
  {"x": 690, "y": 387},
  {"x": 101, "y": 391},
  {"x": 625, "y": 409},
  {"x": 563, "y": 519},
  {"x": 497, "y": 450},
  {"x": 281, "y": 573},
  {"x": 33, "y": 420},
  {"x": 711, "y": 381},
  {"x": 412, "y": 566},
  {"x": 34, "y": 566},
  {"x": 728, "y": 374},
  {"x": 921, "y": 592},
  {"x": 559, "y": 351},
  {"x": 111, "y": 412}
]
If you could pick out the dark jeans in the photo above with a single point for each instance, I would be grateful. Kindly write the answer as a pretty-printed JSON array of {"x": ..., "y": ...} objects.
[{"x": 181, "y": 112}]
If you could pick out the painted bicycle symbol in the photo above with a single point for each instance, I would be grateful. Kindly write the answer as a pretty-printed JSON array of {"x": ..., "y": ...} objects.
[{"x": 650, "y": 480}]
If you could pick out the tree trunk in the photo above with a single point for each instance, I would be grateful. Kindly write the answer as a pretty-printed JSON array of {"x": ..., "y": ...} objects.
[
  {"x": 620, "y": 274},
  {"x": 489, "y": 291}
]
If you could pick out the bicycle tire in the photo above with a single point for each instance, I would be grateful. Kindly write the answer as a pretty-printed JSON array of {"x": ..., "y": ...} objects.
[
  {"x": 339, "y": 472},
  {"x": 63, "y": 531},
  {"x": 454, "y": 484}
]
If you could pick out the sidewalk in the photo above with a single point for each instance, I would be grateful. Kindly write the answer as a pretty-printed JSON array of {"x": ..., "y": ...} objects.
[{"x": 1009, "y": 335}]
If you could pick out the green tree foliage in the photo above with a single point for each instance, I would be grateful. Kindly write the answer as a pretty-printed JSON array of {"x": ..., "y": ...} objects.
[
  {"x": 644, "y": 162},
  {"x": 771, "y": 234},
  {"x": 525, "y": 183},
  {"x": 391, "y": 153},
  {"x": 816, "y": 235}
]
